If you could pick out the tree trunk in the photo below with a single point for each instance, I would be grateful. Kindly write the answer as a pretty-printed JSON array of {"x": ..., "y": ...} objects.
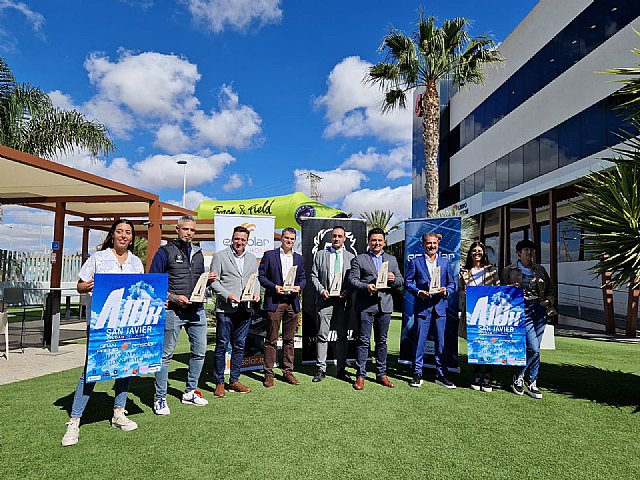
[
  {"x": 431, "y": 138},
  {"x": 632, "y": 308},
  {"x": 607, "y": 300}
]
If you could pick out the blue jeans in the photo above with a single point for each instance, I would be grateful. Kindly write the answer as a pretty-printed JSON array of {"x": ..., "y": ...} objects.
[
  {"x": 535, "y": 321},
  {"x": 231, "y": 327},
  {"x": 380, "y": 323},
  {"x": 84, "y": 390},
  {"x": 195, "y": 323},
  {"x": 424, "y": 324}
]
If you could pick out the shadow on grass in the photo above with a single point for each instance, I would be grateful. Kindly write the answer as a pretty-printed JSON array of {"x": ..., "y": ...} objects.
[
  {"x": 586, "y": 382},
  {"x": 100, "y": 406}
]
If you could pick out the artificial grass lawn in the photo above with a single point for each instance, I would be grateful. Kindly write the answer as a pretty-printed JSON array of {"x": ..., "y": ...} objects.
[{"x": 586, "y": 426}]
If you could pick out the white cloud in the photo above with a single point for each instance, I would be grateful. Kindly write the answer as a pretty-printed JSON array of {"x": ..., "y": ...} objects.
[
  {"x": 353, "y": 107},
  {"x": 235, "y": 181},
  {"x": 396, "y": 163},
  {"x": 215, "y": 15},
  {"x": 156, "y": 172},
  {"x": 398, "y": 200},
  {"x": 171, "y": 138},
  {"x": 35, "y": 19},
  {"x": 151, "y": 84},
  {"x": 334, "y": 185},
  {"x": 193, "y": 198},
  {"x": 235, "y": 125},
  {"x": 155, "y": 92}
]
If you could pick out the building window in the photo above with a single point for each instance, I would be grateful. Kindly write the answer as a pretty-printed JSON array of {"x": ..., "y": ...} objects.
[{"x": 568, "y": 242}]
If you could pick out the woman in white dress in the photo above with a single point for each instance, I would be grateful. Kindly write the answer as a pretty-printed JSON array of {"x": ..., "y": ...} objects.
[
  {"x": 115, "y": 256},
  {"x": 477, "y": 271}
]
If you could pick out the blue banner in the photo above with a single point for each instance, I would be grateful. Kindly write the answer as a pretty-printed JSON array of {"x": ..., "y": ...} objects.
[
  {"x": 496, "y": 331},
  {"x": 449, "y": 228},
  {"x": 126, "y": 332}
]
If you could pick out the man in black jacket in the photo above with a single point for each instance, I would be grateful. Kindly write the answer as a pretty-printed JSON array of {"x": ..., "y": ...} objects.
[{"x": 184, "y": 263}]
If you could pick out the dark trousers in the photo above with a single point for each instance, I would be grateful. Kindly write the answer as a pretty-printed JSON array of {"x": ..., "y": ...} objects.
[
  {"x": 284, "y": 313},
  {"x": 424, "y": 324},
  {"x": 230, "y": 328},
  {"x": 380, "y": 323}
]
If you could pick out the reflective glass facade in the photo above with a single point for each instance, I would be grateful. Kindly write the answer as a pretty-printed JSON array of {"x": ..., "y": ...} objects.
[{"x": 590, "y": 29}]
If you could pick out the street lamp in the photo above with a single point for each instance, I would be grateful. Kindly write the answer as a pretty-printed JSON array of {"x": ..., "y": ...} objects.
[
  {"x": 10, "y": 237},
  {"x": 184, "y": 180}
]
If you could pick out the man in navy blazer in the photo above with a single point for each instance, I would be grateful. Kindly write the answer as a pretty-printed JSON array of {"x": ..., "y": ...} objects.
[
  {"x": 281, "y": 306},
  {"x": 428, "y": 307}
]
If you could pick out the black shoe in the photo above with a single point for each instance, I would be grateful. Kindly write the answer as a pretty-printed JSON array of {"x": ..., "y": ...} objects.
[
  {"x": 533, "y": 390},
  {"x": 487, "y": 385},
  {"x": 445, "y": 382},
  {"x": 476, "y": 384},
  {"x": 319, "y": 376},
  {"x": 343, "y": 375},
  {"x": 416, "y": 381}
]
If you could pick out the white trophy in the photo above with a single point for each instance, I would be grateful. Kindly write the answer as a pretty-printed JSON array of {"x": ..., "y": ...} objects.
[
  {"x": 434, "y": 286},
  {"x": 383, "y": 276},
  {"x": 336, "y": 286},
  {"x": 201, "y": 288},
  {"x": 290, "y": 280},
  {"x": 249, "y": 289}
]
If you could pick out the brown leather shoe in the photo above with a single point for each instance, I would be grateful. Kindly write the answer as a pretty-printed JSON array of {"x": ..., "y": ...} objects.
[
  {"x": 268, "y": 381},
  {"x": 289, "y": 378},
  {"x": 384, "y": 380},
  {"x": 238, "y": 387},
  {"x": 219, "y": 393},
  {"x": 359, "y": 383}
]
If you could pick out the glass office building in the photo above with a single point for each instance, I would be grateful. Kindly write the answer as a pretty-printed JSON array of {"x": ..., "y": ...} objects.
[{"x": 513, "y": 149}]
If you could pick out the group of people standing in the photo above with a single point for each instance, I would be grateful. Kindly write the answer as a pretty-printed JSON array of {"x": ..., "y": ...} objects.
[{"x": 282, "y": 275}]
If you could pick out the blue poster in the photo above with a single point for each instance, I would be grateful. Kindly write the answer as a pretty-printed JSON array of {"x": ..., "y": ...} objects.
[
  {"x": 496, "y": 331},
  {"x": 449, "y": 228},
  {"x": 126, "y": 333}
]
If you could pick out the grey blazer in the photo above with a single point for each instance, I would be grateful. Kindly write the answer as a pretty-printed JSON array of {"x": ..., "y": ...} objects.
[
  {"x": 321, "y": 269},
  {"x": 362, "y": 273},
  {"x": 229, "y": 280}
]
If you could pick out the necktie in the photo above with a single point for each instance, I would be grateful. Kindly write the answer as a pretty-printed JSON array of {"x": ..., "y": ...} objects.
[{"x": 336, "y": 264}]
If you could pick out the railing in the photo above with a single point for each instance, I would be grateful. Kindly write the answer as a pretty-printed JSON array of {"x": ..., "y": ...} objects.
[
  {"x": 589, "y": 298},
  {"x": 36, "y": 267}
]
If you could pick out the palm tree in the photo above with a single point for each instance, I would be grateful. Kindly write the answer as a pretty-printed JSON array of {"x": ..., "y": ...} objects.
[
  {"x": 379, "y": 219},
  {"x": 422, "y": 61},
  {"x": 29, "y": 122}
]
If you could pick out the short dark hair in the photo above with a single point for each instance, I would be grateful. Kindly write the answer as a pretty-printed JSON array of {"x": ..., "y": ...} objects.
[
  {"x": 289, "y": 230},
  {"x": 376, "y": 231},
  {"x": 526, "y": 243},
  {"x": 431, "y": 234},
  {"x": 339, "y": 227},
  {"x": 241, "y": 229}
]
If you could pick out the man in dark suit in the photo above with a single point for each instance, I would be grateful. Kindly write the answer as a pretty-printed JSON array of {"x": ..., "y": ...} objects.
[
  {"x": 373, "y": 306},
  {"x": 327, "y": 264},
  {"x": 428, "y": 307},
  {"x": 281, "y": 305}
]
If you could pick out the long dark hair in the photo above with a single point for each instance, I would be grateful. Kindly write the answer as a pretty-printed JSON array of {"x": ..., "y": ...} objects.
[
  {"x": 484, "y": 261},
  {"x": 108, "y": 242}
]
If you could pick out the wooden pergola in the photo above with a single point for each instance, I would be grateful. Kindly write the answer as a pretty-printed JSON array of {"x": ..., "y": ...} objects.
[{"x": 42, "y": 184}]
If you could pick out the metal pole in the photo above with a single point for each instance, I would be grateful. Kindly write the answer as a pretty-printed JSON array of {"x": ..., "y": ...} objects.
[{"x": 184, "y": 180}]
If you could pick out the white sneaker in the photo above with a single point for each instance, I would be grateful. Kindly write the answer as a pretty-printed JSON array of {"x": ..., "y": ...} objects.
[
  {"x": 121, "y": 421},
  {"x": 194, "y": 397},
  {"x": 160, "y": 407},
  {"x": 71, "y": 435}
]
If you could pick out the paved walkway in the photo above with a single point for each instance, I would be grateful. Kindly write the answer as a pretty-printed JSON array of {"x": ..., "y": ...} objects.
[{"x": 37, "y": 361}]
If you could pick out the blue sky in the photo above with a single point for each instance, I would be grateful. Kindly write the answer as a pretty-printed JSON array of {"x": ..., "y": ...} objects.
[{"x": 250, "y": 92}]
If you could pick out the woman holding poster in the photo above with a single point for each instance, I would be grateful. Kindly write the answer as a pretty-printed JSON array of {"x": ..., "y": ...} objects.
[
  {"x": 539, "y": 296},
  {"x": 477, "y": 271},
  {"x": 115, "y": 256}
]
